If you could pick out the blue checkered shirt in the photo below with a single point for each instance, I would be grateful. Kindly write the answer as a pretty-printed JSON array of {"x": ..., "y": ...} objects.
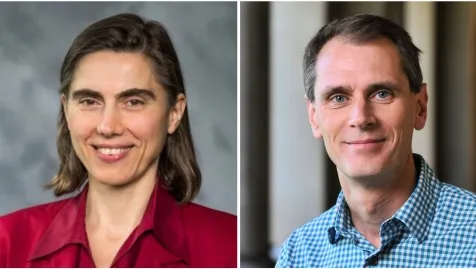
[{"x": 436, "y": 227}]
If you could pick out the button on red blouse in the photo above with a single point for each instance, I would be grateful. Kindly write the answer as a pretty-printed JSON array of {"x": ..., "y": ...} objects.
[{"x": 169, "y": 235}]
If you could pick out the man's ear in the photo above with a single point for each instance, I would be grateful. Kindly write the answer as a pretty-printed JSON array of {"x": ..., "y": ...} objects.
[
  {"x": 311, "y": 110},
  {"x": 421, "y": 112}
]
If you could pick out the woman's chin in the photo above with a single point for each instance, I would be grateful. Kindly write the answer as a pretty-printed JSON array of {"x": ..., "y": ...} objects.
[{"x": 112, "y": 180}]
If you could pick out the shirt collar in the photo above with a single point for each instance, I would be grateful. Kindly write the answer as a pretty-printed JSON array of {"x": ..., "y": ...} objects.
[
  {"x": 342, "y": 223},
  {"x": 416, "y": 213},
  {"x": 163, "y": 216},
  {"x": 419, "y": 210}
]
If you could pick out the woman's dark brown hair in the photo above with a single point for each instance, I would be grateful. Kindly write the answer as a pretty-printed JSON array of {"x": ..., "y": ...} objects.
[{"x": 178, "y": 166}]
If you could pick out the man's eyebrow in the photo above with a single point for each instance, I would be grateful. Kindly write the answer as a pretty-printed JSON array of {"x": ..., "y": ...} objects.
[
  {"x": 390, "y": 85},
  {"x": 335, "y": 89}
]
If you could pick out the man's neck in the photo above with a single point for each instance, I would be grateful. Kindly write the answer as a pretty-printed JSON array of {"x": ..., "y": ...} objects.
[{"x": 371, "y": 205}]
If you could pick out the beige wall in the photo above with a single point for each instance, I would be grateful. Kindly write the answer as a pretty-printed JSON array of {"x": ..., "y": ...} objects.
[
  {"x": 419, "y": 21},
  {"x": 297, "y": 189}
]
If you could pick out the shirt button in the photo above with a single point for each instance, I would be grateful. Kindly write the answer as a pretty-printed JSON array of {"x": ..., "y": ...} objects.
[{"x": 372, "y": 261}]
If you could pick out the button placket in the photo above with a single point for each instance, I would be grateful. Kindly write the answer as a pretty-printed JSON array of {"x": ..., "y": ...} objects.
[{"x": 372, "y": 261}]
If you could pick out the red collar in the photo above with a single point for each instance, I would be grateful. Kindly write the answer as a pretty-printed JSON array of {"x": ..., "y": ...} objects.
[{"x": 163, "y": 216}]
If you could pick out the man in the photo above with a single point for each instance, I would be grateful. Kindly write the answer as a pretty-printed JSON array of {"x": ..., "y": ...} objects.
[{"x": 365, "y": 96}]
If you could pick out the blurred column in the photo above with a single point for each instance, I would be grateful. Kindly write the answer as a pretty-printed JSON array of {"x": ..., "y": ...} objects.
[
  {"x": 472, "y": 94},
  {"x": 254, "y": 77},
  {"x": 297, "y": 174},
  {"x": 342, "y": 9},
  {"x": 454, "y": 111},
  {"x": 419, "y": 21}
]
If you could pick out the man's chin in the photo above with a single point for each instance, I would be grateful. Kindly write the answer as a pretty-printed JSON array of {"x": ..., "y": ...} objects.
[{"x": 364, "y": 171}]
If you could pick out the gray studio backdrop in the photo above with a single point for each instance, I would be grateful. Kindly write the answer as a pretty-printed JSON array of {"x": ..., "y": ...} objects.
[{"x": 33, "y": 41}]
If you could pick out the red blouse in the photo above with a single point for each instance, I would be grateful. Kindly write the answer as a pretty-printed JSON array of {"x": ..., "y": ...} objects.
[{"x": 169, "y": 235}]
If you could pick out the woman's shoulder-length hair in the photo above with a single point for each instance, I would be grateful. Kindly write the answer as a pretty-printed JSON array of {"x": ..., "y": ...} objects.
[{"x": 178, "y": 166}]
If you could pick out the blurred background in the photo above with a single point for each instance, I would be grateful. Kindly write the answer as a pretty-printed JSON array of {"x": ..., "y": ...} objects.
[
  {"x": 34, "y": 39},
  {"x": 286, "y": 177}
]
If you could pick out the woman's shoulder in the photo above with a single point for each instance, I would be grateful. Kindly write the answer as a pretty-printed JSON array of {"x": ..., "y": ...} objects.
[
  {"x": 30, "y": 218},
  {"x": 212, "y": 218},
  {"x": 210, "y": 223},
  {"x": 212, "y": 234},
  {"x": 22, "y": 229}
]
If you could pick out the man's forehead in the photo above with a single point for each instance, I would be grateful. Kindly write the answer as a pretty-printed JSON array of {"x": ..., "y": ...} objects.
[
  {"x": 343, "y": 62},
  {"x": 338, "y": 48}
]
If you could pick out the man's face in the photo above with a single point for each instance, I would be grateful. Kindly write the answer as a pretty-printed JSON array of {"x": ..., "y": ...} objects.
[{"x": 364, "y": 109}]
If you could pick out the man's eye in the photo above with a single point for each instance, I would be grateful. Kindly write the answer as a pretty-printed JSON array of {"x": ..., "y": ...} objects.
[
  {"x": 135, "y": 102},
  {"x": 339, "y": 98},
  {"x": 383, "y": 94}
]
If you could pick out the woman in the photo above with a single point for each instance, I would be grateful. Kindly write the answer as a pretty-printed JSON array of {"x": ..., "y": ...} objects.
[{"x": 123, "y": 134}]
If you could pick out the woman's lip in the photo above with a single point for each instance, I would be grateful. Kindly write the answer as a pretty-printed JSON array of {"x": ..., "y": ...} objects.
[
  {"x": 112, "y": 158},
  {"x": 112, "y": 146}
]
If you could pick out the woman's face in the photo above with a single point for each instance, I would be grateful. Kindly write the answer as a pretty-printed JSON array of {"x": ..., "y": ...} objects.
[{"x": 118, "y": 116}]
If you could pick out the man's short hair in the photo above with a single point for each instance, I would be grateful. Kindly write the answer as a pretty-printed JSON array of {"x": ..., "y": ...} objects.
[{"x": 361, "y": 29}]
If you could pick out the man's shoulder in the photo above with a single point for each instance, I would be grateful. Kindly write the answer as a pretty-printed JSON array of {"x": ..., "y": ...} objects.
[
  {"x": 457, "y": 198},
  {"x": 319, "y": 224},
  {"x": 315, "y": 229},
  {"x": 458, "y": 203},
  {"x": 455, "y": 192},
  {"x": 454, "y": 220},
  {"x": 309, "y": 238}
]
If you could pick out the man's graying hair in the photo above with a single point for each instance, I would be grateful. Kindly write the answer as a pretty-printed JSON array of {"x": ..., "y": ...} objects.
[{"x": 361, "y": 29}]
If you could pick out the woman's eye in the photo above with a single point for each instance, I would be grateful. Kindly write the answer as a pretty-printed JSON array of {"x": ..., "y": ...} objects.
[{"x": 87, "y": 102}]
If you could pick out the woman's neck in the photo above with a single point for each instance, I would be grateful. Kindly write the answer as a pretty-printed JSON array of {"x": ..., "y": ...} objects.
[{"x": 118, "y": 209}]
